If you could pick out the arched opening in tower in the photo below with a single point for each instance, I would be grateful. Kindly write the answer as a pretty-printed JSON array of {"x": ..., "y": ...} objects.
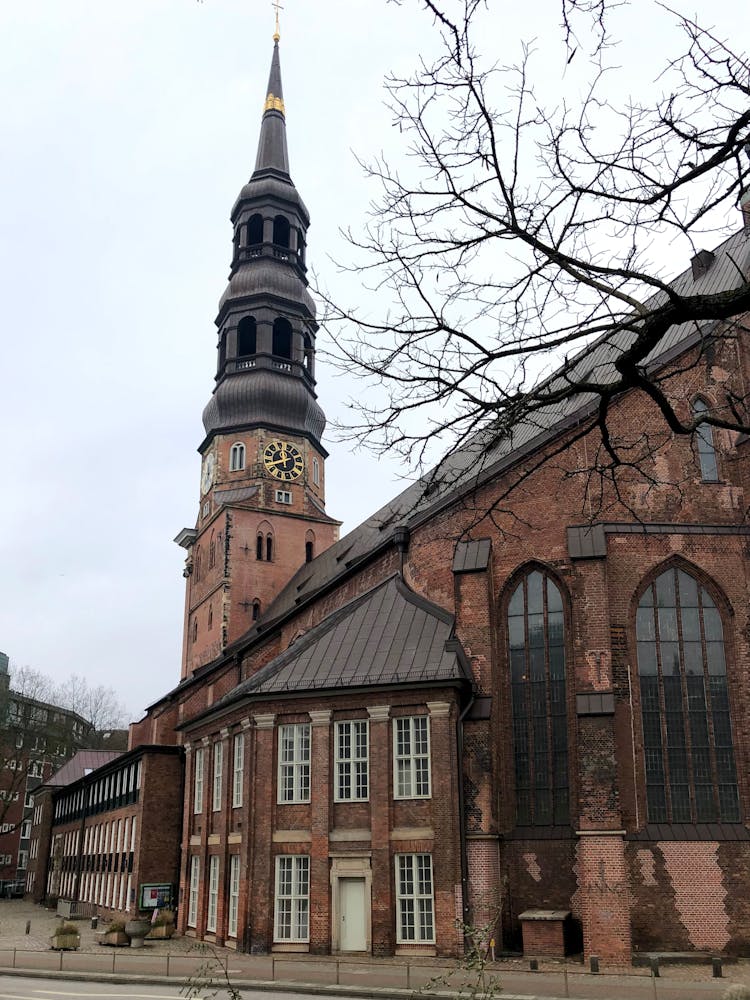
[
  {"x": 255, "y": 230},
  {"x": 247, "y": 337},
  {"x": 281, "y": 231},
  {"x": 282, "y": 339}
]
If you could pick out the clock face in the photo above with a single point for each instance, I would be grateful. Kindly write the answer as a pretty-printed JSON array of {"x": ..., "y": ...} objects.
[
  {"x": 283, "y": 460},
  {"x": 207, "y": 475}
]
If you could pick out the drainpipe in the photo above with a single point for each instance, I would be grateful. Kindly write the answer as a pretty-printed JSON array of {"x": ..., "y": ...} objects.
[
  {"x": 401, "y": 537},
  {"x": 461, "y": 811}
]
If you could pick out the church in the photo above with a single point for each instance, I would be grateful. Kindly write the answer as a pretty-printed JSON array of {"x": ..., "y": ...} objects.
[{"x": 441, "y": 720}]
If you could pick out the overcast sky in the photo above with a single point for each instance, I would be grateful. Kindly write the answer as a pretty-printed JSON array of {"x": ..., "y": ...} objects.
[{"x": 126, "y": 132}]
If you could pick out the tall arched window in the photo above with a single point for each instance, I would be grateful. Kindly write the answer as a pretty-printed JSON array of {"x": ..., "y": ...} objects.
[
  {"x": 256, "y": 609},
  {"x": 237, "y": 457},
  {"x": 210, "y": 617},
  {"x": 247, "y": 338},
  {"x": 259, "y": 546},
  {"x": 536, "y": 647},
  {"x": 255, "y": 230},
  {"x": 704, "y": 445},
  {"x": 687, "y": 734},
  {"x": 282, "y": 338},
  {"x": 269, "y": 547},
  {"x": 212, "y": 552}
]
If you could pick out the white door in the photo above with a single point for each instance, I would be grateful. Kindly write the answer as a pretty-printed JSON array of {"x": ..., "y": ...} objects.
[{"x": 352, "y": 932}]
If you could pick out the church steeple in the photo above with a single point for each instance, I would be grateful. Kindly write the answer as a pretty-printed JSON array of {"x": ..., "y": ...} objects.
[
  {"x": 262, "y": 487},
  {"x": 266, "y": 364}
]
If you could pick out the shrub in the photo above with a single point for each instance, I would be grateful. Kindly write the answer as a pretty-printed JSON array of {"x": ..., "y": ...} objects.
[
  {"x": 66, "y": 928},
  {"x": 115, "y": 927}
]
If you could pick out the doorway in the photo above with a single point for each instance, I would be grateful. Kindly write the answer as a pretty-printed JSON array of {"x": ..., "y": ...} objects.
[{"x": 352, "y": 923}]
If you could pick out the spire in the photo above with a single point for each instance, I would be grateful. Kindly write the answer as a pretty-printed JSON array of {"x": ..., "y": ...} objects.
[{"x": 272, "y": 149}]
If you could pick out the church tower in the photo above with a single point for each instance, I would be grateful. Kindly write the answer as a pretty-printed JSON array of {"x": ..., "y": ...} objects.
[{"x": 262, "y": 485}]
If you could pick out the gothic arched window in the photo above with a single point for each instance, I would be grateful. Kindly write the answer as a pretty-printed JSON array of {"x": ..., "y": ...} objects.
[
  {"x": 259, "y": 547},
  {"x": 256, "y": 609},
  {"x": 687, "y": 733},
  {"x": 247, "y": 337},
  {"x": 269, "y": 547},
  {"x": 536, "y": 648},
  {"x": 704, "y": 445},
  {"x": 237, "y": 457}
]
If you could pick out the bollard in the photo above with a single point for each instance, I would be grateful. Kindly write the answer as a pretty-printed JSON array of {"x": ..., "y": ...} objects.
[
  {"x": 28, "y": 927},
  {"x": 594, "y": 963},
  {"x": 94, "y": 923},
  {"x": 716, "y": 968},
  {"x": 655, "y": 967},
  {"x": 533, "y": 965},
  {"x": 565, "y": 973}
]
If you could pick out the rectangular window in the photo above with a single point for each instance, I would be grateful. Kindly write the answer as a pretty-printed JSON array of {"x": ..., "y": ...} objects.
[
  {"x": 218, "y": 775},
  {"x": 292, "y": 898},
  {"x": 283, "y": 496},
  {"x": 198, "y": 781},
  {"x": 195, "y": 874},
  {"x": 26, "y": 829},
  {"x": 23, "y": 859},
  {"x": 213, "y": 892},
  {"x": 414, "y": 899},
  {"x": 411, "y": 756},
  {"x": 351, "y": 762},
  {"x": 294, "y": 763},
  {"x": 234, "y": 894},
  {"x": 239, "y": 768}
]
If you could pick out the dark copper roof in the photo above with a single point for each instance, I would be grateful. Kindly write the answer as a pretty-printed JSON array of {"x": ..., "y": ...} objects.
[{"x": 390, "y": 635}]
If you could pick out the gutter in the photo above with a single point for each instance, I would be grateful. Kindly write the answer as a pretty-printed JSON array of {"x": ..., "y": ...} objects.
[{"x": 461, "y": 813}]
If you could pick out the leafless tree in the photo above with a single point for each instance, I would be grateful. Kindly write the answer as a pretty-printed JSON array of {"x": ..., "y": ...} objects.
[
  {"x": 36, "y": 737},
  {"x": 514, "y": 246}
]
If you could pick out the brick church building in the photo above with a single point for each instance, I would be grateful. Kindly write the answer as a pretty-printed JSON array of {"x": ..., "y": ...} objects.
[{"x": 536, "y": 720}]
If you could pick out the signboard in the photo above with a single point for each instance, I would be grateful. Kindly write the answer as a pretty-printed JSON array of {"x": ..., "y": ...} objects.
[{"x": 156, "y": 896}]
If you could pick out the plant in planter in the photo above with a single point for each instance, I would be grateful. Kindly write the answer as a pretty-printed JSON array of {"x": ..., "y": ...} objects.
[
  {"x": 115, "y": 935},
  {"x": 65, "y": 937},
  {"x": 162, "y": 925}
]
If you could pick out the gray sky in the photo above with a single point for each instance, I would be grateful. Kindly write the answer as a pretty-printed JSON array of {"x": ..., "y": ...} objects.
[{"x": 127, "y": 131}]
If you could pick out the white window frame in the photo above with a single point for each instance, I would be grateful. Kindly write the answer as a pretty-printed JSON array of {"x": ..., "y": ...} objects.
[
  {"x": 291, "y": 922},
  {"x": 284, "y": 496},
  {"x": 218, "y": 775},
  {"x": 412, "y": 763},
  {"x": 294, "y": 763},
  {"x": 198, "y": 764},
  {"x": 234, "y": 895},
  {"x": 238, "y": 770},
  {"x": 352, "y": 766},
  {"x": 26, "y": 829},
  {"x": 213, "y": 893},
  {"x": 195, "y": 875},
  {"x": 415, "y": 899},
  {"x": 315, "y": 472},
  {"x": 237, "y": 457}
]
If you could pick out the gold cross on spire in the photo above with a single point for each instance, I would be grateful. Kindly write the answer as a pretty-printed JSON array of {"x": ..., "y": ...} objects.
[{"x": 277, "y": 7}]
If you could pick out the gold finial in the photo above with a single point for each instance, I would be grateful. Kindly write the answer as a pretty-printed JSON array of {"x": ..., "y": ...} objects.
[{"x": 277, "y": 7}]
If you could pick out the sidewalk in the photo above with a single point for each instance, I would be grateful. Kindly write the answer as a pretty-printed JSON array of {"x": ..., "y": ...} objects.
[{"x": 183, "y": 958}]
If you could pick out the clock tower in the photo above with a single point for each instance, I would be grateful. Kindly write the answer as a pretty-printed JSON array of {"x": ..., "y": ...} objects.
[{"x": 262, "y": 485}]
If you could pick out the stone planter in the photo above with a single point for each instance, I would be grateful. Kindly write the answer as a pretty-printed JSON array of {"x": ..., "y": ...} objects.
[
  {"x": 65, "y": 942},
  {"x": 161, "y": 931},
  {"x": 137, "y": 931},
  {"x": 115, "y": 939}
]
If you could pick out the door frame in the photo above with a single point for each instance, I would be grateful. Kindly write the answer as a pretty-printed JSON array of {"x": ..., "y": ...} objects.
[{"x": 350, "y": 867}]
